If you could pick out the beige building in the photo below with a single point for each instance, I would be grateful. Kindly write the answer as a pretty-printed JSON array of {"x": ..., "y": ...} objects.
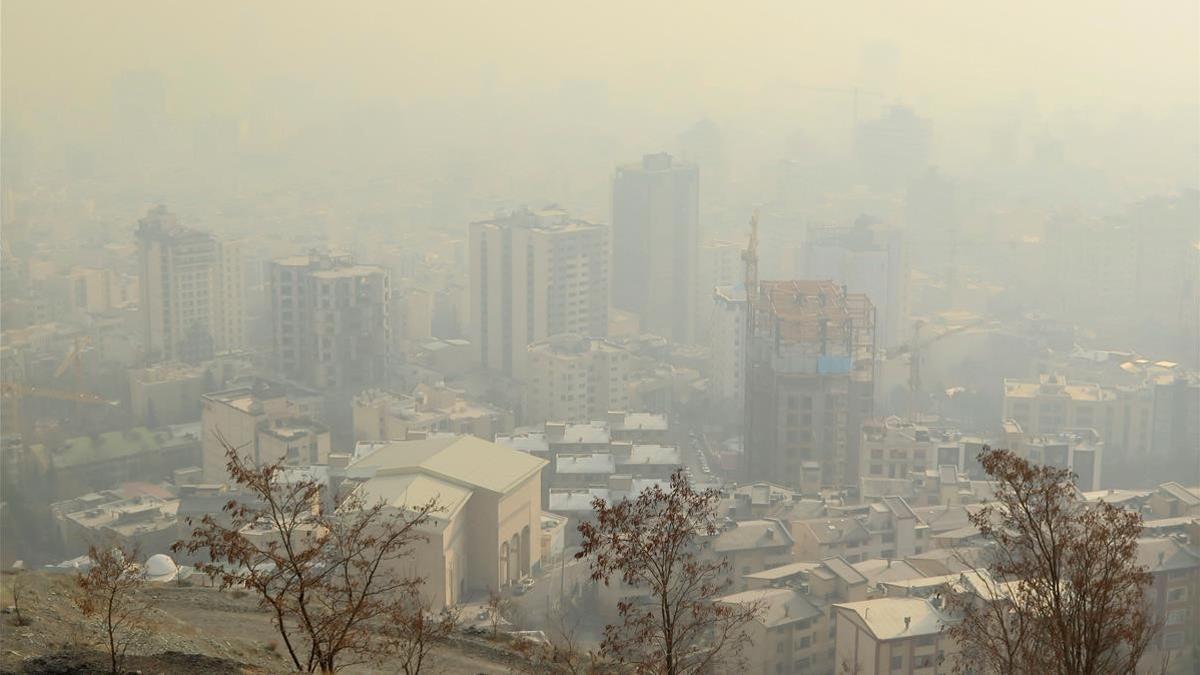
[
  {"x": 191, "y": 290},
  {"x": 1052, "y": 404},
  {"x": 784, "y": 635},
  {"x": 244, "y": 415},
  {"x": 752, "y": 546},
  {"x": 385, "y": 416},
  {"x": 329, "y": 319},
  {"x": 895, "y": 449},
  {"x": 167, "y": 393},
  {"x": 535, "y": 274},
  {"x": 888, "y": 529},
  {"x": 893, "y": 635},
  {"x": 488, "y": 533},
  {"x": 572, "y": 378}
]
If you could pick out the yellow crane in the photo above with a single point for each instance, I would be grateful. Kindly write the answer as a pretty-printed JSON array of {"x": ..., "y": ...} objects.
[
  {"x": 13, "y": 393},
  {"x": 913, "y": 349},
  {"x": 74, "y": 360}
]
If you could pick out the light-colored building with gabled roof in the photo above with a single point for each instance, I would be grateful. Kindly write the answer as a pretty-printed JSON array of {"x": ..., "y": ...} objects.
[
  {"x": 893, "y": 635},
  {"x": 487, "y": 533}
]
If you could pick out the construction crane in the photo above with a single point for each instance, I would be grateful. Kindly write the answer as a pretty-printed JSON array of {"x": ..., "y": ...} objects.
[
  {"x": 74, "y": 360},
  {"x": 15, "y": 392},
  {"x": 914, "y": 359}
]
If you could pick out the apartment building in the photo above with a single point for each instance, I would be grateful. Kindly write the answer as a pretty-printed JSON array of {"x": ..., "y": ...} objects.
[
  {"x": 896, "y": 449},
  {"x": 191, "y": 290},
  {"x": 329, "y": 318},
  {"x": 866, "y": 258},
  {"x": 811, "y": 374},
  {"x": 719, "y": 266},
  {"x": 1174, "y": 597},
  {"x": 752, "y": 546},
  {"x": 267, "y": 421},
  {"x": 727, "y": 342},
  {"x": 888, "y": 529},
  {"x": 575, "y": 379},
  {"x": 893, "y": 635},
  {"x": 381, "y": 415},
  {"x": 656, "y": 235},
  {"x": 535, "y": 274},
  {"x": 1052, "y": 404}
]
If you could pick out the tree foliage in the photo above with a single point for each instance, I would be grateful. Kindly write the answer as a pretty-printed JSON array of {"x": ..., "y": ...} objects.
[
  {"x": 108, "y": 593},
  {"x": 654, "y": 543},
  {"x": 329, "y": 579},
  {"x": 1066, "y": 594},
  {"x": 415, "y": 630}
]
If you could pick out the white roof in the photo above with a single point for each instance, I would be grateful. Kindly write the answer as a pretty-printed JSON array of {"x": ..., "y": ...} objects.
[
  {"x": 885, "y": 617},
  {"x": 533, "y": 442},
  {"x": 597, "y": 462},
  {"x": 654, "y": 455}
]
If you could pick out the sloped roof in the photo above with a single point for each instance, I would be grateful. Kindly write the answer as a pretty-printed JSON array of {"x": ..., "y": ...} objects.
[
  {"x": 877, "y": 570},
  {"x": 413, "y": 490},
  {"x": 830, "y": 530},
  {"x": 780, "y": 606},
  {"x": 750, "y": 534},
  {"x": 1163, "y": 554},
  {"x": 844, "y": 570},
  {"x": 1181, "y": 493},
  {"x": 885, "y": 617},
  {"x": 465, "y": 460}
]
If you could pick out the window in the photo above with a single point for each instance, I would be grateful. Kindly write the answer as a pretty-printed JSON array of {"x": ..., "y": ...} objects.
[
  {"x": 925, "y": 641},
  {"x": 1173, "y": 641},
  {"x": 897, "y": 662},
  {"x": 1176, "y": 617},
  {"x": 1177, "y": 594},
  {"x": 922, "y": 661},
  {"x": 805, "y": 642}
]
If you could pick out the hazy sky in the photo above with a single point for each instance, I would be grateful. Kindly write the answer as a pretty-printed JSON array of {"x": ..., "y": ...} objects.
[{"x": 704, "y": 54}]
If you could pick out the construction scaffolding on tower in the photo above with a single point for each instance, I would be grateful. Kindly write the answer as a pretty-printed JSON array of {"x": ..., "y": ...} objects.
[{"x": 810, "y": 377}]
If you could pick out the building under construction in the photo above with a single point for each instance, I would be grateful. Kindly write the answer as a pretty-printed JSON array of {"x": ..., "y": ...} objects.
[{"x": 809, "y": 381}]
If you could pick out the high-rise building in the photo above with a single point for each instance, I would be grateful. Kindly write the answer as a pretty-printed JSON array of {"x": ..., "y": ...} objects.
[
  {"x": 727, "y": 341},
  {"x": 719, "y": 264},
  {"x": 656, "y": 233},
  {"x": 576, "y": 379},
  {"x": 330, "y": 321},
  {"x": 866, "y": 259},
  {"x": 535, "y": 274},
  {"x": 810, "y": 379},
  {"x": 191, "y": 288}
]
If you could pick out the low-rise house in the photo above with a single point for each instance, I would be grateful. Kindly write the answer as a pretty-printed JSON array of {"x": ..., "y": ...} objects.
[
  {"x": 889, "y": 529},
  {"x": 785, "y": 635},
  {"x": 1172, "y": 499},
  {"x": 752, "y": 546},
  {"x": 893, "y": 635}
]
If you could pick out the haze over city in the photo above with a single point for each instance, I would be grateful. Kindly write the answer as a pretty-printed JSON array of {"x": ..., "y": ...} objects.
[{"x": 515, "y": 283}]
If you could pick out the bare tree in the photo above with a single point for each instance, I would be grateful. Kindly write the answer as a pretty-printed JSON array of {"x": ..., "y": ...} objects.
[
  {"x": 328, "y": 579},
  {"x": 1065, "y": 593},
  {"x": 562, "y": 653},
  {"x": 653, "y": 543},
  {"x": 18, "y": 592},
  {"x": 499, "y": 608},
  {"x": 416, "y": 630},
  {"x": 108, "y": 592}
]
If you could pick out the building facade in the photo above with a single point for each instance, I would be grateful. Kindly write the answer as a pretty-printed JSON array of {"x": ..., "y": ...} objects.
[
  {"x": 656, "y": 227},
  {"x": 575, "y": 379},
  {"x": 535, "y": 274},
  {"x": 811, "y": 378},
  {"x": 329, "y": 317},
  {"x": 191, "y": 290}
]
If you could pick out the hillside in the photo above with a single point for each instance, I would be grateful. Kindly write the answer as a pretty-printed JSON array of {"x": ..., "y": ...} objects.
[{"x": 195, "y": 630}]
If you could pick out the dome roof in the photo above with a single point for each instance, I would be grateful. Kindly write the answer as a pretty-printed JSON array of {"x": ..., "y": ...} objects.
[{"x": 160, "y": 567}]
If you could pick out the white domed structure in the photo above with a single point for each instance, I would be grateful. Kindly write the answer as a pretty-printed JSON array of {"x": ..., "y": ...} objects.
[{"x": 161, "y": 568}]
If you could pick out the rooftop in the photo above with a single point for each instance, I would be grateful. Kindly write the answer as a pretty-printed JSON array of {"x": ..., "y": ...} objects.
[
  {"x": 751, "y": 534},
  {"x": 465, "y": 460},
  {"x": 780, "y": 606},
  {"x": 113, "y": 445},
  {"x": 654, "y": 455},
  {"x": 896, "y": 618},
  {"x": 594, "y": 463}
]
